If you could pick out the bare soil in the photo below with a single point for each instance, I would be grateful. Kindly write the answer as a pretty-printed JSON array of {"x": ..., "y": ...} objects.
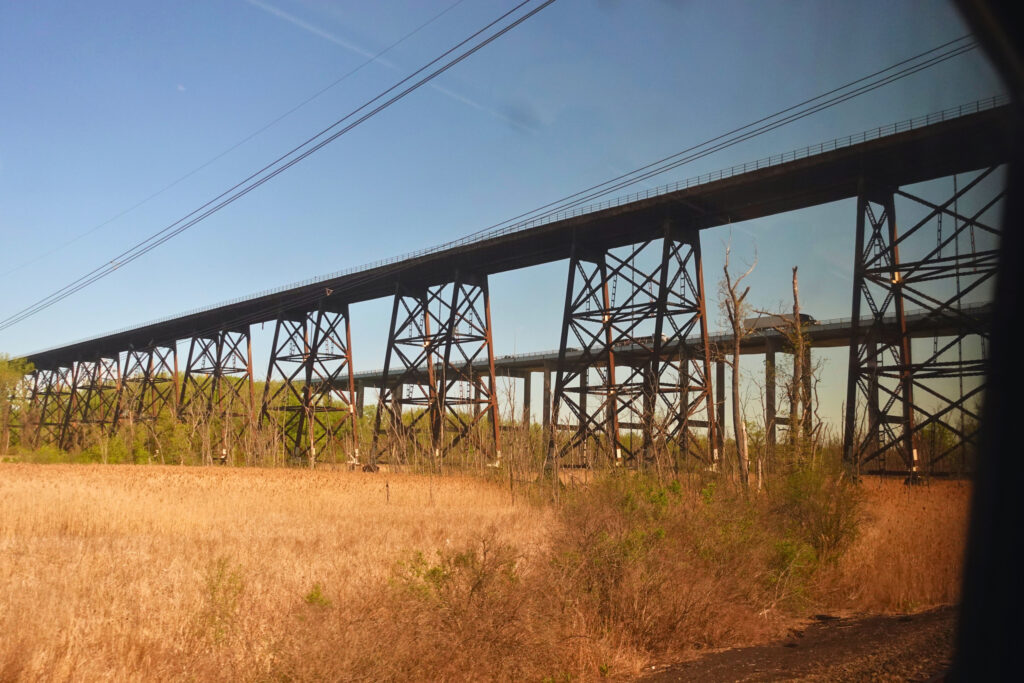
[{"x": 913, "y": 647}]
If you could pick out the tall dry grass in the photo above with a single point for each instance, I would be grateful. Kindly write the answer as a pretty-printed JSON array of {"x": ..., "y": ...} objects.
[
  {"x": 909, "y": 552},
  {"x": 170, "y": 573},
  {"x": 166, "y": 573}
]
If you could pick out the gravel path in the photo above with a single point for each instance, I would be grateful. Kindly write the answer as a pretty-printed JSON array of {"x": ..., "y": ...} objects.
[{"x": 914, "y": 647}]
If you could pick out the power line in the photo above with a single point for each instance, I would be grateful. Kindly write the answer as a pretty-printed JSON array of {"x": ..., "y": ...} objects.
[
  {"x": 841, "y": 94},
  {"x": 282, "y": 163},
  {"x": 725, "y": 139},
  {"x": 352, "y": 280},
  {"x": 763, "y": 125},
  {"x": 768, "y": 123},
  {"x": 746, "y": 136},
  {"x": 238, "y": 144}
]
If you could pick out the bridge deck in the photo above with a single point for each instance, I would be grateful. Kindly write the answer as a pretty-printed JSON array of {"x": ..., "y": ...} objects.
[
  {"x": 823, "y": 334},
  {"x": 956, "y": 146}
]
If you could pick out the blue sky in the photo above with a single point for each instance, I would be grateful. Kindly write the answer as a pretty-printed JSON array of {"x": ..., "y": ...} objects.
[{"x": 103, "y": 104}]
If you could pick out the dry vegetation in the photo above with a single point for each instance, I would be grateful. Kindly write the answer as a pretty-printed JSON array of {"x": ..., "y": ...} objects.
[
  {"x": 171, "y": 573},
  {"x": 910, "y": 549}
]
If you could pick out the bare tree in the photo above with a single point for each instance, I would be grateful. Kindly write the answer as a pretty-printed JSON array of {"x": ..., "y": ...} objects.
[
  {"x": 800, "y": 388},
  {"x": 733, "y": 303},
  {"x": 13, "y": 372},
  {"x": 802, "y": 420}
]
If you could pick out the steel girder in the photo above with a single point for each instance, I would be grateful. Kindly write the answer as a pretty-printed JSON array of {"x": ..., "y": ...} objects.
[
  {"x": 218, "y": 382},
  {"x": 310, "y": 391},
  {"x": 633, "y": 371},
  {"x": 54, "y": 396},
  {"x": 437, "y": 334},
  {"x": 150, "y": 382},
  {"x": 97, "y": 393},
  {"x": 911, "y": 395}
]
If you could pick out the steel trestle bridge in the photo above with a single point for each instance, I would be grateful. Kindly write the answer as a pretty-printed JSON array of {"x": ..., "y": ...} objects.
[{"x": 633, "y": 371}]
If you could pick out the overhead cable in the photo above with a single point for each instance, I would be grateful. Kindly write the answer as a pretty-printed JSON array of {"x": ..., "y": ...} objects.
[{"x": 289, "y": 159}]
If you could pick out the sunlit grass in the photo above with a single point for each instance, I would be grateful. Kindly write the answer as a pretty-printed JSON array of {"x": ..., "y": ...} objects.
[{"x": 178, "y": 573}]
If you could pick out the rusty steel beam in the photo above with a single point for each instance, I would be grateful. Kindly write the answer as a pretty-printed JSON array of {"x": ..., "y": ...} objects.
[
  {"x": 218, "y": 373},
  {"x": 437, "y": 335},
  {"x": 99, "y": 390},
  {"x": 938, "y": 266},
  {"x": 413, "y": 349},
  {"x": 200, "y": 377},
  {"x": 634, "y": 387},
  {"x": 218, "y": 385},
  {"x": 62, "y": 400},
  {"x": 965, "y": 143},
  {"x": 48, "y": 404},
  {"x": 310, "y": 392},
  {"x": 150, "y": 382},
  {"x": 30, "y": 424},
  {"x": 527, "y": 388}
]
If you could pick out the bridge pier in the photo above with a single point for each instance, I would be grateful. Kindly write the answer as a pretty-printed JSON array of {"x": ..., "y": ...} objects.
[
  {"x": 311, "y": 356},
  {"x": 150, "y": 382},
  {"x": 52, "y": 394},
  {"x": 527, "y": 388},
  {"x": 218, "y": 386},
  {"x": 97, "y": 393},
  {"x": 437, "y": 333},
  {"x": 623, "y": 339},
  {"x": 910, "y": 396},
  {"x": 771, "y": 346},
  {"x": 719, "y": 440},
  {"x": 546, "y": 414}
]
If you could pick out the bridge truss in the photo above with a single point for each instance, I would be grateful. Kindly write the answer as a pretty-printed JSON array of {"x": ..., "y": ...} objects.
[
  {"x": 917, "y": 398},
  {"x": 438, "y": 334},
  {"x": 636, "y": 388},
  {"x": 309, "y": 393},
  {"x": 633, "y": 371}
]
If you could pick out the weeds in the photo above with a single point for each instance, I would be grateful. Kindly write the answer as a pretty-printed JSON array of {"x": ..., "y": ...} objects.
[
  {"x": 444, "y": 578},
  {"x": 822, "y": 507},
  {"x": 316, "y": 598},
  {"x": 223, "y": 590}
]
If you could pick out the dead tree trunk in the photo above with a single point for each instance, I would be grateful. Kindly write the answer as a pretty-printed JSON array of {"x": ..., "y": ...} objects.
[
  {"x": 733, "y": 304},
  {"x": 739, "y": 428},
  {"x": 795, "y": 414}
]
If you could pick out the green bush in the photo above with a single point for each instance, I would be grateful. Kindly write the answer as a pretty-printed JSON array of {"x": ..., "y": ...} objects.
[
  {"x": 821, "y": 507},
  {"x": 222, "y": 598}
]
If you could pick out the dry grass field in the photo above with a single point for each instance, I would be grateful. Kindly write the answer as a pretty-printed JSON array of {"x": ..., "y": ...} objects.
[
  {"x": 171, "y": 573},
  {"x": 909, "y": 553}
]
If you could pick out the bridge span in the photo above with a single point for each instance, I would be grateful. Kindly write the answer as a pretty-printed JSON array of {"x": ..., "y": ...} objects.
[{"x": 613, "y": 371}]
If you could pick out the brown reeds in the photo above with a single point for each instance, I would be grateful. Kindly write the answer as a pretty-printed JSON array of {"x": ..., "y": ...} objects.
[
  {"x": 909, "y": 552},
  {"x": 172, "y": 573}
]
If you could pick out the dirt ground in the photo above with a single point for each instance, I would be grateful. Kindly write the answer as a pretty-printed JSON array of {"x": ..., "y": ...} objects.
[{"x": 915, "y": 647}]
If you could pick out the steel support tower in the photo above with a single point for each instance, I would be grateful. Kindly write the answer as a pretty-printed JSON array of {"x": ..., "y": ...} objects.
[
  {"x": 52, "y": 400},
  {"x": 917, "y": 395},
  {"x": 150, "y": 382},
  {"x": 97, "y": 393},
  {"x": 619, "y": 393},
  {"x": 437, "y": 333},
  {"x": 218, "y": 385},
  {"x": 310, "y": 392}
]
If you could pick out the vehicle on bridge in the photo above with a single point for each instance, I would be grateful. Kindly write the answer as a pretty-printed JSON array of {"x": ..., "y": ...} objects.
[
  {"x": 639, "y": 341},
  {"x": 776, "y": 322}
]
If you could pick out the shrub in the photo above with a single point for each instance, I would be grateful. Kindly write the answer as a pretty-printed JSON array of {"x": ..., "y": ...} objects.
[
  {"x": 316, "y": 598},
  {"x": 820, "y": 507},
  {"x": 224, "y": 588}
]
